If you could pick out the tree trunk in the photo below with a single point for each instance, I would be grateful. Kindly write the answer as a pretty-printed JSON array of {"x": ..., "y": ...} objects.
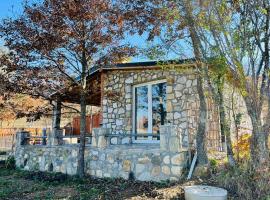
[
  {"x": 197, "y": 49},
  {"x": 82, "y": 135},
  {"x": 83, "y": 92},
  {"x": 201, "y": 133},
  {"x": 266, "y": 126},
  {"x": 54, "y": 138},
  {"x": 223, "y": 123},
  {"x": 225, "y": 129},
  {"x": 258, "y": 149},
  {"x": 237, "y": 123}
]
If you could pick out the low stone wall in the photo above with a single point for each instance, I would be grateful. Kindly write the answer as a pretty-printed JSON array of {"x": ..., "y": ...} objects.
[{"x": 144, "y": 162}]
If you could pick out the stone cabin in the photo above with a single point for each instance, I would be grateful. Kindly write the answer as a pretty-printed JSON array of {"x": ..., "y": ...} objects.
[{"x": 149, "y": 116}]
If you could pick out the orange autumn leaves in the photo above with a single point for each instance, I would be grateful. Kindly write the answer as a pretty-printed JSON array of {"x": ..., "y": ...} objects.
[{"x": 19, "y": 106}]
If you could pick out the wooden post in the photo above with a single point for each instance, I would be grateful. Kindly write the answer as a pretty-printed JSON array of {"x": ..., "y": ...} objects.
[{"x": 102, "y": 95}]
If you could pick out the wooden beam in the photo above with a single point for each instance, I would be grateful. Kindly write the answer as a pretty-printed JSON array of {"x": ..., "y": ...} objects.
[{"x": 102, "y": 77}]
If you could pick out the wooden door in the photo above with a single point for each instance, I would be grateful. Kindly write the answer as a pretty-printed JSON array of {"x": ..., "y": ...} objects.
[{"x": 91, "y": 122}]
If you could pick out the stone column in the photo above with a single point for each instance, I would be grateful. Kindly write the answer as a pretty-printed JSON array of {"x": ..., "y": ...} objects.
[
  {"x": 44, "y": 134},
  {"x": 170, "y": 138},
  {"x": 99, "y": 138},
  {"x": 175, "y": 157},
  {"x": 21, "y": 138},
  {"x": 53, "y": 137}
]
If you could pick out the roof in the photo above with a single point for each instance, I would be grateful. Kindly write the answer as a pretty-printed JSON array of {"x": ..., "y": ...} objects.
[
  {"x": 71, "y": 94},
  {"x": 155, "y": 63},
  {"x": 139, "y": 65}
]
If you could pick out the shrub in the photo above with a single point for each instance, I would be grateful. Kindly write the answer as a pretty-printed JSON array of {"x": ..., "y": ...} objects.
[
  {"x": 242, "y": 146},
  {"x": 245, "y": 181},
  {"x": 213, "y": 165},
  {"x": 10, "y": 163}
]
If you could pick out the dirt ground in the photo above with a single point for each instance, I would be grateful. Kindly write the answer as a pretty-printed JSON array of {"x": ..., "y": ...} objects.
[{"x": 21, "y": 185}]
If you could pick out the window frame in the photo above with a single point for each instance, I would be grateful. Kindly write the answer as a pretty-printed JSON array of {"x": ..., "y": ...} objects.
[{"x": 150, "y": 110}]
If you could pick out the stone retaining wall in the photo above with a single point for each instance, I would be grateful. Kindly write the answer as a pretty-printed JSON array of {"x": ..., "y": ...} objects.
[
  {"x": 155, "y": 162},
  {"x": 143, "y": 162}
]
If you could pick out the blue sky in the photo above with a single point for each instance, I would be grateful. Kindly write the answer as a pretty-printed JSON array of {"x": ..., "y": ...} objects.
[
  {"x": 9, "y": 7},
  {"x": 12, "y": 8}
]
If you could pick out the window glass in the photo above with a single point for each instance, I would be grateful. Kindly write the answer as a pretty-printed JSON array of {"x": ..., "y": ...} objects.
[
  {"x": 141, "y": 106},
  {"x": 150, "y": 110},
  {"x": 158, "y": 107}
]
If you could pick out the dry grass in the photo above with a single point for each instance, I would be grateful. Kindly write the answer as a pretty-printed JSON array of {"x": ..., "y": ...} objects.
[
  {"x": 15, "y": 184},
  {"x": 244, "y": 182}
]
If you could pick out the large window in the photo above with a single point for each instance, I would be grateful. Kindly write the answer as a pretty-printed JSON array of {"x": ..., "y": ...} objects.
[{"x": 149, "y": 110}]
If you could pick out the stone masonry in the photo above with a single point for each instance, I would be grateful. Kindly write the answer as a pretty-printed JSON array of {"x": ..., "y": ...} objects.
[
  {"x": 182, "y": 101},
  {"x": 145, "y": 162}
]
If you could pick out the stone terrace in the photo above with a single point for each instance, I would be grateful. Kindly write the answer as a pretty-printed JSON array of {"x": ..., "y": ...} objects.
[{"x": 145, "y": 162}]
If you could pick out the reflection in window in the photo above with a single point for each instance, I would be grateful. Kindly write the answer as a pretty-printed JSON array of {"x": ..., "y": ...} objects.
[
  {"x": 158, "y": 106},
  {"x": 141, "y": 102},
  {"x": 150, "y": 109}
]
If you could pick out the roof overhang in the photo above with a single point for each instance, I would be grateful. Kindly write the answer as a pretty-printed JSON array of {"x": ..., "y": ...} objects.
[{"x": 72, "y": 94}]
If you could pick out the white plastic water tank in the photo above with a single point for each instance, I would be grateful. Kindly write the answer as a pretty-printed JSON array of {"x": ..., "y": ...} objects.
[{"x": 204, "y": 192}]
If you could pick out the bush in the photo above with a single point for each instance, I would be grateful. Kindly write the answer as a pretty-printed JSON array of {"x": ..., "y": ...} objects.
[
  {"x": 213, "y": 163},
  {"x": 10, "y": 163},
  {"x": 245, "y": 181},
  {"x": 242, "y": 146}
]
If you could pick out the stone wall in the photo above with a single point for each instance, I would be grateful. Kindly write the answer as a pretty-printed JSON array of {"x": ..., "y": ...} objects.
[
  {"x": 145, "y": 162},
  {"x": 182, "y": 101}
]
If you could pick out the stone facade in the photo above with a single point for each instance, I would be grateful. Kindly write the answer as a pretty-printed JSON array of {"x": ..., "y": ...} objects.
[
  {"x": 182, "y": 104},
  {"x": 145, "y": 162},
  {"x": 182, "y": 101}
]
